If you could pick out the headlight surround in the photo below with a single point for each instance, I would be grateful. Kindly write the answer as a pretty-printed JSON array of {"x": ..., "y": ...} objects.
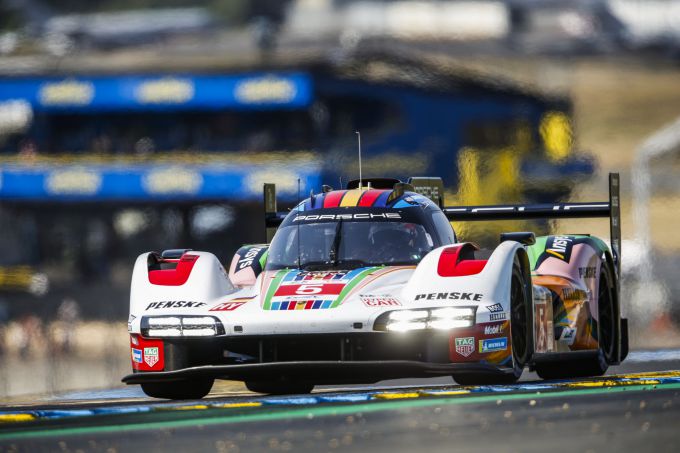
[
  {"x": 181, "y": 326},
  {"x": 439, "y": 318}
]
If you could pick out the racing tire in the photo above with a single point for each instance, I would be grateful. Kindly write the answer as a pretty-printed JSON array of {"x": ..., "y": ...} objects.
[
  {"x": 279, "y": 387},
  {"x": 606, "y": 334},
  {"x": 179, "y": 390},
  {"x": 521, "y": 311}
]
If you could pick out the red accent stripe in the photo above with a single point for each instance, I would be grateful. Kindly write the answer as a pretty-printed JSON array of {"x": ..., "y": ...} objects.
[
  {"x": 309, "y": 304},
  {"x": 369, "y": 197},
  {"x": 333, "y": 199},
  {"x": 450, "y": 264},
  {"x": 174, "y": 277}
]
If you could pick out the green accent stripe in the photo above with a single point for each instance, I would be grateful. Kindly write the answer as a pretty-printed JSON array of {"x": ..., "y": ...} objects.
[
  {"x": 350, "y": 286},
  {"x": 273, "y": 286},
  {"x": 206, "y": 418},
  {"x": 263, "y": 258},
  {"x": 534, "y": 251}
]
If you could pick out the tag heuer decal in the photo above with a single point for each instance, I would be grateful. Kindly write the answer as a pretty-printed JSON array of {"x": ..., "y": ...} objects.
[
  {"x": 465, "y": 346},
  {"x": 151, "y": 356}
]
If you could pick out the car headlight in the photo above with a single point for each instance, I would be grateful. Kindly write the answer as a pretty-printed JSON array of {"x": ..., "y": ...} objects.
[
  {"x": 181, "y": 326},
  {"x": 404, "y": 320},
  {"x": 444, "y": 318}
]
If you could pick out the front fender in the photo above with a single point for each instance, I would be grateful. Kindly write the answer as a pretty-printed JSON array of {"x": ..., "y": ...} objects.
[{"x": 488, "y": 287}]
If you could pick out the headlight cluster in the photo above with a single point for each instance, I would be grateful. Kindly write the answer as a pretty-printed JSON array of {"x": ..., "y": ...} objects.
[
  {"x": 431, "y": 318},
  {"x": 181, "y": 326}
]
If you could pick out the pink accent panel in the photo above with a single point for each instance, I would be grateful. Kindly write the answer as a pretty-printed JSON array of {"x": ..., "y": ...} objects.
[
  {"x": 244, "y": 277},
  {"x": 583, "y": 256}
]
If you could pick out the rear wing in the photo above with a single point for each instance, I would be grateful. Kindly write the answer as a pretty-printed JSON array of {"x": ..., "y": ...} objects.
[{"x": 610, "y": 209}]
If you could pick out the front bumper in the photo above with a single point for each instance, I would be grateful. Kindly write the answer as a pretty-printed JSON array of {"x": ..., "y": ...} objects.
[{"x": 320, "y": 372}]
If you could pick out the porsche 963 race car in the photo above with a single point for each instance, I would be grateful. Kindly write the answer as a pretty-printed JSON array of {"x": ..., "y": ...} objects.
[{"x": 370, "y": 283}]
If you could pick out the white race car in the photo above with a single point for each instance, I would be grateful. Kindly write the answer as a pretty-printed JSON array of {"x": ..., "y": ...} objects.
[{"x": 370, "y": 283}]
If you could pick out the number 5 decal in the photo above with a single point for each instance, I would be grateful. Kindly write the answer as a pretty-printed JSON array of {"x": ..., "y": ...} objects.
[{"x": 309, "y": 288}]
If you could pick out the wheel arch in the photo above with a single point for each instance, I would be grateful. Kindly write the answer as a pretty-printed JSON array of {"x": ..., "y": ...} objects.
[
  {"x": 526, "y": 270},
  {"x": 621, "y": 351}
]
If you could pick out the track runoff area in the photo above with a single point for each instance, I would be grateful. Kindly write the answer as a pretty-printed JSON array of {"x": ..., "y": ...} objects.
[{"x": 636, "y": 407}]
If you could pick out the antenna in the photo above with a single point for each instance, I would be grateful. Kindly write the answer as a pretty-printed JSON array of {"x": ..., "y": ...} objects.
[
  {"x": 298, "y": 226},
  {"x": 359, "y": 142}
]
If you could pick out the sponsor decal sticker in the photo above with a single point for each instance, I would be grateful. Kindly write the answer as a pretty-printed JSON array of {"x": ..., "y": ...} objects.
[
  {"x": 136, "y": 355},
  {"x": 587, "y": 272},
  {"x": 227, "y": 306},
  {"x": 493, "y": 329},
  {"x": 323, "y": 275},
  {"x": 360, "y": 216},
  {"x": 379, "y": 301},
  {"x": 560, "y": 247},
  {"x": 568, "y": 335},
  {"x": 174, "y": 304},
  {"x": 151, "y": 356},
  {"x": 495, "y": 308},
  {"x": 250, "y": 256},
  {"x": 493, "y": 344},
  {"x": 465, "y": 346},
  {"x": 450, "y": 296},
  {"x": 573, "y": 294},
  {"x": 497, "y": 316}
]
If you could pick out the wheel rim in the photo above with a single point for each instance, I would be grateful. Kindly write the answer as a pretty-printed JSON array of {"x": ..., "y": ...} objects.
[
  {"x": 606, "y": 317},
  {"x": 518, "y": 319}
]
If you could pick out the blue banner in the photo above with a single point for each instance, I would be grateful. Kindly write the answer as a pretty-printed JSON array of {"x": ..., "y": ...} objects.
[
  {"x": 154, "y": 182},
  {"x": 162, "y": 92}
]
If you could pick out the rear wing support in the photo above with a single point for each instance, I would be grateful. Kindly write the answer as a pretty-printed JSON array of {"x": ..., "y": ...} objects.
[
  {"x": 271, "y": 216},
  {"x": 610, "y": 209}
]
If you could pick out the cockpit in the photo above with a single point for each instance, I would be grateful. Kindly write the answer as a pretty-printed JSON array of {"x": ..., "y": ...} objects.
[{"x": 349, "y": 239}]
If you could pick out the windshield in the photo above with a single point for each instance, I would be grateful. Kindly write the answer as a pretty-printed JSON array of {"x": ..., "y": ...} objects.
[{"x": 348, "y": 244}]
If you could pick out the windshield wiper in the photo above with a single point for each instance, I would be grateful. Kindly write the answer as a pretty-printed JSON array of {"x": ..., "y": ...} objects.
[{"x": 335, "y": 248}]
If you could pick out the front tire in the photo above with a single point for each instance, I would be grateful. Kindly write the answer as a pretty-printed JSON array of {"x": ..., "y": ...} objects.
[
  {"x": 521, "y": 331},
  {"x": 179, "y": 390}
]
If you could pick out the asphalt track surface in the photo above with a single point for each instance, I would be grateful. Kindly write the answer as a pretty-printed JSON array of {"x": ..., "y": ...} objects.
[{"x": 635, "y": 408}]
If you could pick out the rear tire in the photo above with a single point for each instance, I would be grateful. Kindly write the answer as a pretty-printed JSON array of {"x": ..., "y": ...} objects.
[
  {"x": 279, "y": 387},
  {"x": 179, "y": 390},
  {"x": 521, "y": 325},
  {"x": 606, "y": 334}
]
